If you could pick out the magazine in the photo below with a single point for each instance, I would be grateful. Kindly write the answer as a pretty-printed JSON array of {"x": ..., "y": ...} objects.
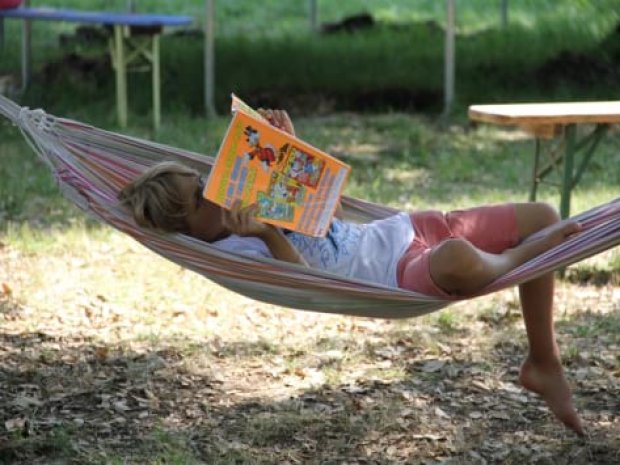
[{"x": 295, "y": 185}]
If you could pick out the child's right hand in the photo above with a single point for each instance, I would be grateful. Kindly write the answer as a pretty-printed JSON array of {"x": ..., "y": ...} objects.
[
  {"x": 243, "y": 222},
  {"x": 278, "y": 118}
]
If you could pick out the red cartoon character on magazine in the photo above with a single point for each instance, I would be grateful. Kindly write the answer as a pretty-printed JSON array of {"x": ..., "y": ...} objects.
[{"x": 265, "y": 155}]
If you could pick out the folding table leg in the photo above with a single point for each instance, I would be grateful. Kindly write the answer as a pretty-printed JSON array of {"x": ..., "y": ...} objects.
[
  {"x": 567, "y": 180},
  {"x": 593, "y": 140},
  {"x": 535, "y": 174}
]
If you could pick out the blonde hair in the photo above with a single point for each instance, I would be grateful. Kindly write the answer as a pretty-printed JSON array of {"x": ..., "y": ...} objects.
[{"x": 155, "y": 198}]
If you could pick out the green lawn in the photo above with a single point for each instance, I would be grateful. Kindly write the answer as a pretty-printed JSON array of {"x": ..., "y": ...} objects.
[{"x": 549, "y": 50}]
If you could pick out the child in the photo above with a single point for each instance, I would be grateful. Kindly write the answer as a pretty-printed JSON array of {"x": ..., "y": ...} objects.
[{"x": 456, "y": 253}]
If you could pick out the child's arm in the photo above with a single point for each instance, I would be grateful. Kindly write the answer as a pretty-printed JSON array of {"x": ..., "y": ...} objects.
[
  {"x": 280, "y": 247},
  {"x": 241, "y": 221},
  {"x": 278, "y": 118}
]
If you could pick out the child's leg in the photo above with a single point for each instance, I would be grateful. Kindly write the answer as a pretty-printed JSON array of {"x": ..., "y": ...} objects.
[
  {"x": 457, "y": 266},
  {"x": 542, "y": 370}
]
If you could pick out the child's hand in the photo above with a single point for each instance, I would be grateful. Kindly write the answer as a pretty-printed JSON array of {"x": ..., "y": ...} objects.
[
  {"x": 278, "y": 118},
  {"x": 243, "y": 222}
]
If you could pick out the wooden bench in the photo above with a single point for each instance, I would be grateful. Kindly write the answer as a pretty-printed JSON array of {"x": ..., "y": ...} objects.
[
  {"x": 126, "y": 47},
  {"x": 547, "y": 120}
]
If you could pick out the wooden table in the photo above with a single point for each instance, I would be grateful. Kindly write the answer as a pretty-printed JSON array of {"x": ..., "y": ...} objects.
[
  {"x": 126, "y": 49},
  {"x": 548, "y": 120}
]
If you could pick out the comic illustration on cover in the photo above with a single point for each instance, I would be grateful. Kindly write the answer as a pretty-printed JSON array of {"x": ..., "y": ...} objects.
[{"x": 295, "y": 185}]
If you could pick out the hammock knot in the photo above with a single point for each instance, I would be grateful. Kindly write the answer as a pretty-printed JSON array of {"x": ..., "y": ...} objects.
[
  {"x": 37, "y": 117},
  {"x": 23, "y": 114}
]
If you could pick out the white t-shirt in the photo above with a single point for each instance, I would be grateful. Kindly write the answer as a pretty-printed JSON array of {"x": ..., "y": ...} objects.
[{"x": 363, "y": 251}]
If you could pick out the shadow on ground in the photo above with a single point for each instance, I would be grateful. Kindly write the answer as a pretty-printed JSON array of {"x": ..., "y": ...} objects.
[{"x": 76, "y": 400}]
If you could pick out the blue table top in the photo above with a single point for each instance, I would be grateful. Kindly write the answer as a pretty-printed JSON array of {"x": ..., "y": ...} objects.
[{"x": 98, "y": 17}]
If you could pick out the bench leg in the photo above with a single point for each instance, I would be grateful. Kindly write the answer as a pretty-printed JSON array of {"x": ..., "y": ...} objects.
[
  {"x": 145, "y": 51},
  {"x": 118, "y": 60}
]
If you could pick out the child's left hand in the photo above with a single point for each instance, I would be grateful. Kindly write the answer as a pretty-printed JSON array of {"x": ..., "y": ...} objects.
[
  {"x": 278, "y": 118},
  {"x": 243, "y": 222}
]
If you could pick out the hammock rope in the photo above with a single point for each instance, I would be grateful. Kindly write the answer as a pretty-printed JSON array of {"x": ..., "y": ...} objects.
[{"x": 91, "y": 165}]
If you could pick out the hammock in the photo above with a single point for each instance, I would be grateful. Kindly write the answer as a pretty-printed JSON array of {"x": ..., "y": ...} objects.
[{"x": 91, "y": 166}]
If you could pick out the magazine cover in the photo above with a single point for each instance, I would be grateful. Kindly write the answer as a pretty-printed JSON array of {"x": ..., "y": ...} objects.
[{"x": 295, "y": 185}]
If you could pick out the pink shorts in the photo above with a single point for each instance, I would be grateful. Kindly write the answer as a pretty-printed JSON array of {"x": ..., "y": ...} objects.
[{"x": 490, "y": 228}]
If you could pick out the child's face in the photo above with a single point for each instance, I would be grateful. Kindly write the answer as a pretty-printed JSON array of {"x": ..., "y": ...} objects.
[{"x": 204, "y": 218}]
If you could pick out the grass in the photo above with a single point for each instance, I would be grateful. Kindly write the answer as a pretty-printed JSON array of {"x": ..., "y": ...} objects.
[
  {"x": 542, "y": 54},
  {"x": 112, "y": 355}
]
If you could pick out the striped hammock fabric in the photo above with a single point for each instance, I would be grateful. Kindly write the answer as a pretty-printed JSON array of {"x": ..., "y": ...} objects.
[{"x": 91, "y": 166}]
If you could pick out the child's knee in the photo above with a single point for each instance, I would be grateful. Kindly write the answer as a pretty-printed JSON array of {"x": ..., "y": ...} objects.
[
  {"x": 534, "y": 216},
  {"x": 546, "y": 214},
  {"x": 454, "y": 263}
]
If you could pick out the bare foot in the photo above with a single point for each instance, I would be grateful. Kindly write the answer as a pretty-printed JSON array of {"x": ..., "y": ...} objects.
[{"x": 549, "y": 382}]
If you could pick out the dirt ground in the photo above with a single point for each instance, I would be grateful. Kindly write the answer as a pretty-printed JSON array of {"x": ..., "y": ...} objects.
[{"x": 214, "y": 378}]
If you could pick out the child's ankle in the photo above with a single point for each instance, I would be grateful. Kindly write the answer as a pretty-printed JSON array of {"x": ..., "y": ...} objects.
[{"x": 546, "y": 359}]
